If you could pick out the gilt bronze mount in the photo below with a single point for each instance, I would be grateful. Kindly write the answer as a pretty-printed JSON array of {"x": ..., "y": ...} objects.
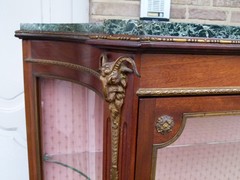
[{"x": 114, "y": 81}]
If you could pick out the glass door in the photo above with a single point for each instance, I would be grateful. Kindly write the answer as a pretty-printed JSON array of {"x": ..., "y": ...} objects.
[
  {"x": 188, "y": 138},
  {"x": 208, "y": 148},
  {"x": 71, "y": 123}
]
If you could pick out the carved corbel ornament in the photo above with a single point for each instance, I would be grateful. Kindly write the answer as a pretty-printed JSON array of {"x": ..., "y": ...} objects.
[{"x": 114, "y": 81}]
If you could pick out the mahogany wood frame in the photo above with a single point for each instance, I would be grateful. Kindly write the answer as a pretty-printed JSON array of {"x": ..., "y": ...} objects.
[{"x": 162, "y": 62}]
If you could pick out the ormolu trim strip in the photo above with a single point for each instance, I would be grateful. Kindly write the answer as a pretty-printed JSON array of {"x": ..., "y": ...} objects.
[
  {"x": 64, "y": 64},
  {"x": 164, "y": 39},
  {"x": 163, "y": 92}
]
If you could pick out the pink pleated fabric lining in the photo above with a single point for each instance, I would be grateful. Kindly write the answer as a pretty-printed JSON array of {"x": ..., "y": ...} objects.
[
  {"x": 207, "y": 149},
  {"x": 72, "y": 130}
]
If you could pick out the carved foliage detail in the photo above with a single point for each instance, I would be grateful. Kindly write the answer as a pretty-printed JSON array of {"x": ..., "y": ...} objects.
[{"x": 114, "y": 81}]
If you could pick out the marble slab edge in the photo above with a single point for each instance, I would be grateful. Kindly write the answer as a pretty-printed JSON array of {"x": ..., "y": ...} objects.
[{"x": 138, "y": 30}]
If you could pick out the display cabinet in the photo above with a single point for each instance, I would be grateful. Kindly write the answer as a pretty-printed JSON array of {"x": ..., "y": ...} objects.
[{"x": 132, "y": 100}]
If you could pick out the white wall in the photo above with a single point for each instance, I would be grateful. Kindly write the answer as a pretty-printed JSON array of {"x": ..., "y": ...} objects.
[{"x": 13, "y": 145}]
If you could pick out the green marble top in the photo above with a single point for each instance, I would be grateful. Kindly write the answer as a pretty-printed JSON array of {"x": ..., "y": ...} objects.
[
  {"x": 81, "y": 27},
  {"x": 141, "y": 27}
]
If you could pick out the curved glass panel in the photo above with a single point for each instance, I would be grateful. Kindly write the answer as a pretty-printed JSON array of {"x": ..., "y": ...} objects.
[
  {"x": 72, "y": 131},
  {"x": 207, "y": 149}
]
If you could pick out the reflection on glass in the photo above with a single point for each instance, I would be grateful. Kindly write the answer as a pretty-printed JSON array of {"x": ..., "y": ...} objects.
[
  {"x": 72, "y": 131},
  {"x": 207, "y": 149}
]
